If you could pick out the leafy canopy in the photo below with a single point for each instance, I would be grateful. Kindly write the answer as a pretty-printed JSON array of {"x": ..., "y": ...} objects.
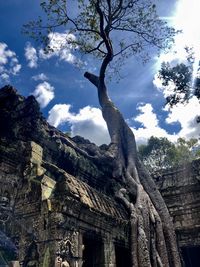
[
  {"x": 120, "y": 27},
  {"x": 160, "y": 153},
  {"x": 186, "y": 83}
]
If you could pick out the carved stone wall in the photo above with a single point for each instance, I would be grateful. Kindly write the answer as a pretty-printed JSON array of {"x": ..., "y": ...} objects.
[
  {"x": 48, "y": 212},
  {"x": 180, "y": 189}
]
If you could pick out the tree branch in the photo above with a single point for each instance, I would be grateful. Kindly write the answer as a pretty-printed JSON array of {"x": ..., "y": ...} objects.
[
  {"x": 96, "y": 48},
  {"x": 124, "y": 49},
  {"x": 92, "y": 78},
  {"x": 105, "y": 36},
  {"x": 118, "y": 9}
]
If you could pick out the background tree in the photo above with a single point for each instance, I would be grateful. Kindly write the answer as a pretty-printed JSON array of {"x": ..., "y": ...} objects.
[
  {"x": 160, "y": 153},
  {"x": 186, "y": 151},
  {"x": 184, "y": 81},
  {"x": 109, "y": 29},
  {"x": 157, "y": 154}
]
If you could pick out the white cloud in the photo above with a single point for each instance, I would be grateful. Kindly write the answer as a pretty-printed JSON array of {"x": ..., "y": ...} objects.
[
  {"x": 166, "y": 90},
  {"x": 31, "y": 55},
  {"x": 88, "y": 122},
  {"x": 39, "y": 77},
  {"x": 190, "y": 35},
  {"x": 150, "y": 125},
  {"x": 146, "y": 117},
  {"x": 44, "y": 93},
  {"x": 59, "y": 114},
  {"x": 60, "y": 45},
  {"x": 4, "y": 77},
  {"x": 186, "y": 115},
  {"x": 5, "y": 54},
  {"x": 9, "y": 64},
  {"x": 16, "y": 69}
]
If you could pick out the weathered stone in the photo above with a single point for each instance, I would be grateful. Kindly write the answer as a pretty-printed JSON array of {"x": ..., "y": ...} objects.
[
  {"x": 181, "y": 191},
  {"x": 57, "y": 203}
]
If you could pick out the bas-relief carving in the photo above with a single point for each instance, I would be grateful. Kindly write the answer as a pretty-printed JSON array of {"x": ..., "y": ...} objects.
[
  {"x": 196, "y": 170},
  {"x": 61, "y": 262},
  {"x": 68, "y": 251},
  {"x": 5, "y": 207}
]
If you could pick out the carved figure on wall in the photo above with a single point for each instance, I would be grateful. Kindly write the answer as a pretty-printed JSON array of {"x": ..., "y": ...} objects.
[
  {"x": 58, "y": 261},
  {"x": 61, "y": 262},
  {"x": 65, "y": 263},
  {"x": 65, "y": 250},
  {"x": 68, "y": 250},
  {"x": 5, "y": 207}
]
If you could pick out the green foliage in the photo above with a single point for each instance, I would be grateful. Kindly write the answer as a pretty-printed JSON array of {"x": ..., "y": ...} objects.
[
  {"x": 186, "y": 151},
  {"x": 157, "y": 154},
  {"x": 128, "y": 26},
  {"x": 180, "y": 75},
  {"x": 160, "y": 153},
  {"x": 182, "y": 78}
]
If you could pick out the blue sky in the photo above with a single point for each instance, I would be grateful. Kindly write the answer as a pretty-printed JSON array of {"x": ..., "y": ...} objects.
[{"x": 70, "y": 102}]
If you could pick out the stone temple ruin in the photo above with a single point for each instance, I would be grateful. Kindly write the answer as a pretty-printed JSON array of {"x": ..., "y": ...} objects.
[{"x": 57, "y": 205}]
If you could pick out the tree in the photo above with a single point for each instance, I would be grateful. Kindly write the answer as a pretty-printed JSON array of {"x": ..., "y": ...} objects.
[
  {"x": 109, "y": 29},
  {"x": 185, "y": 151},
  {"x": 181, "y": 76},
  {"x": 157, "y": 154},
  {"x": 160, "y": 153}
]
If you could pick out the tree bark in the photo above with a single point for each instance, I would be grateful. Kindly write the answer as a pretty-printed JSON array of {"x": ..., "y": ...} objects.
[{"x": 153, "y": 240}]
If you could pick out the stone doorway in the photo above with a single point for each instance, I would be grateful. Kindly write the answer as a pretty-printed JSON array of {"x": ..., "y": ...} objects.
[
  {"x": 191, "y": 256},
  {"x": 123, "y": 257},
  {"x": 93, "y": 251}
]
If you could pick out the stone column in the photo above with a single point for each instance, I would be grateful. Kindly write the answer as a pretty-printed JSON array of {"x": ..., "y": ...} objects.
[
  {"x": 79, "y": 261},
  {"x": 109, "y": 252}
]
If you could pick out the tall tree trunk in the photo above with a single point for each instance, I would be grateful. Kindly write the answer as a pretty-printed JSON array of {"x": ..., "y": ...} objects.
[{"x": 153, "y": 240}]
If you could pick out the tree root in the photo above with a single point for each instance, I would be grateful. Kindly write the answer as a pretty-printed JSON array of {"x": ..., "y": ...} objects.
[
  {"x": 148, "y": 248},
  {"x": 152, "y": 237}
]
